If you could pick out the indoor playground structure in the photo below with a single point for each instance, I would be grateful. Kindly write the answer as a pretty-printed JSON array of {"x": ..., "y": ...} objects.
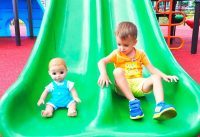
[
  {"x": 82, "y": 32},
  {"x": 8, "y": 12}
]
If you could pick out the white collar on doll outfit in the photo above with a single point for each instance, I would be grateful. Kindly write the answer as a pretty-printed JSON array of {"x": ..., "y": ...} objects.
[{"x": 59, "y": 83}]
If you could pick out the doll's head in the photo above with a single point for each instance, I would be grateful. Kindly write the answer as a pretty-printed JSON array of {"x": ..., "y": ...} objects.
[{"x": 57, "y": 69}]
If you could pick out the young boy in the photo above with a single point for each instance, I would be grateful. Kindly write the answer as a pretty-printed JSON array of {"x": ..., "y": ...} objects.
[
  {"x": 129, "y": 82},
  {"x": 63, "y": 93}
]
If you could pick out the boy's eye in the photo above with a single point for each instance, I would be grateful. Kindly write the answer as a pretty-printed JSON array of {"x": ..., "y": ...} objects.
[
  {"x": 54, "y": 73},
  {"x": 62, "y": 72},
  {"x": 125, "y": 45}
]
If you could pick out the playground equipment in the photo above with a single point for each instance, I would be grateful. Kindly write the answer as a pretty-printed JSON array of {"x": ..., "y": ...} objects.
[
  {"x": 175, "y": 18},
  {"x": 7, "y": 14},
  {"x": 194, "y": 24},
  {"x": 82, "y": 32},
  {"x": 196, "y": 27},
  {"x": 190, "y": 23}
]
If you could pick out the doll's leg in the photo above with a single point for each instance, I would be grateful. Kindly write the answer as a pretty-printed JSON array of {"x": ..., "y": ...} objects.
[
  {"x": 48, "y": 112},
  {"x": 72, "y": 110}
]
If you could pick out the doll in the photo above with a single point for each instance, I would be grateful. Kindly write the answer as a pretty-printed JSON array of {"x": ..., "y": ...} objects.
[{"x": 63, "y": 93}]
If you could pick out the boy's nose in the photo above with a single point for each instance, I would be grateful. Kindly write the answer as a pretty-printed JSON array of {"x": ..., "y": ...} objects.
[{"x": 122, "y": 48}]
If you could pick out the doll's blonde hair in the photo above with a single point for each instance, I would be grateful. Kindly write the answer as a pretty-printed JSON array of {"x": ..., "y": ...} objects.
[{"x": 56, "y": 62}]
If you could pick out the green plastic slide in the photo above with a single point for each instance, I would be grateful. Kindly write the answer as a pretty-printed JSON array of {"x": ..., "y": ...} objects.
[{"x": 82, "y": 32}]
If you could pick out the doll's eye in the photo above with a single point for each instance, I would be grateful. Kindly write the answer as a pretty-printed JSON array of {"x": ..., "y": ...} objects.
[
  {"x": 61, "y": 72},
  {"x": 54, "y": 73}
]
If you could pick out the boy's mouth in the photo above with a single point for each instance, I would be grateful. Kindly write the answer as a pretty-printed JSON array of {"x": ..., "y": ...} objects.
[{"x": 123, "y": 52}]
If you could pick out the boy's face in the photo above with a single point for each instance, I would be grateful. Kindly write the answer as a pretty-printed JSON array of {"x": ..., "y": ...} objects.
[
  {"x": 126, "y": 45},
  {"x": 57, "y": 72}
]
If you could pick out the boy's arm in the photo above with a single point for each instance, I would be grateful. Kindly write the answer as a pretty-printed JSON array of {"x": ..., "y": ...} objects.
[
  {"x": 167, "y": 78},
  {"x": 43, "y": 97},
  {"x": 75, "y": 95},
  {"x": 103, "y": 78}
]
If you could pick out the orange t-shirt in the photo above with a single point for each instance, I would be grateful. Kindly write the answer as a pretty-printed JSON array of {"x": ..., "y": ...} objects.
[{"x": 132, "y": 67}]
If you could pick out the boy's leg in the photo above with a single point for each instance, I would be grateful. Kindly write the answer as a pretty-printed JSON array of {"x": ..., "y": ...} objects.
[
  {"x": 134, "y": 104},
  {"x": 48, "y": 112},
  {"x": 122, "y": 83},
  {"x": 155, "y": 82},
  {"x": 162, "y": 111}
]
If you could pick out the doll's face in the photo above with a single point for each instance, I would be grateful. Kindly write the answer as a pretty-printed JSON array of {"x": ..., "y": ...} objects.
[{"x": 58, "y": 72}]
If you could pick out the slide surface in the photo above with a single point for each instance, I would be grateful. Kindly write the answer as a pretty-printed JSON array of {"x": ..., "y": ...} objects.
[{"x": 82, "y": 32}]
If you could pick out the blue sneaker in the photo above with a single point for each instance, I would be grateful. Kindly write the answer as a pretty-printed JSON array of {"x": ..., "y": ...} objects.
[
  {"x": 164, "y": 111},
  {"x": 135, "y": 109}
]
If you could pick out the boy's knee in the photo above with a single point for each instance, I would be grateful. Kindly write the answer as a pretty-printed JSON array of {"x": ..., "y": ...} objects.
[
  {"x": 118, "y": 71},
  {"x": 156, "y": 77}
]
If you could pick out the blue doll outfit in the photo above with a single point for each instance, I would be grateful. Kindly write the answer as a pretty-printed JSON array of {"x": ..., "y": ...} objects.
[{"x": 60, "y": 94}]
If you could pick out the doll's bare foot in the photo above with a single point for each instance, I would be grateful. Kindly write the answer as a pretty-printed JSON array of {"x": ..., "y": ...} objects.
[
  {"x": 72, "y": 113},
  {"x": 48, "y": 112},
  {"x": 72, "y": 110},
  {"x": 45, "y": 113}
]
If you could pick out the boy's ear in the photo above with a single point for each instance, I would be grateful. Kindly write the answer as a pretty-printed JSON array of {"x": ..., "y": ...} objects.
[{"x": 135, "y": 42}]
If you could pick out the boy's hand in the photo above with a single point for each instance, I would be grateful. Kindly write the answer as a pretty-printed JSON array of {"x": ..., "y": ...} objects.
[
  {"x": 104, "y": 80},
  {"x": 41, "y": 101},
  {"x": 171, "y": 78}
]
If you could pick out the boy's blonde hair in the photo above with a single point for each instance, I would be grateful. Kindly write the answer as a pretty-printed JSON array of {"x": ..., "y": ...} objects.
[
  {"x": 125, "y": 30},
  {"x": 57, "y": 61}
]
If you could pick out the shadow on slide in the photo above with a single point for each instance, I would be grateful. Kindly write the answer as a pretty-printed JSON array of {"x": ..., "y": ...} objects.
[{"x": 82, "y": 32}]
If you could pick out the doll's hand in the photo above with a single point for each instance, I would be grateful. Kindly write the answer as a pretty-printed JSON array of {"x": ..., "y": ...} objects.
[
  {"x": 77, "y": 100},
  {"x": 171, "y": 78},
  {"x": 41, "y": 101}
]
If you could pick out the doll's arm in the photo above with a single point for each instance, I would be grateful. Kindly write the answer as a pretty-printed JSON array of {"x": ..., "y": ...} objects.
[
  {"x": 42, "y": 97},
  {"x": 75, "y": 95}
]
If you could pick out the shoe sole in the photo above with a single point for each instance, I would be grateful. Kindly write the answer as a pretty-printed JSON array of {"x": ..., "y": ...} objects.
[
  {"x": 166, "y": 114},
  {"x": 137, "y": 117}
]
